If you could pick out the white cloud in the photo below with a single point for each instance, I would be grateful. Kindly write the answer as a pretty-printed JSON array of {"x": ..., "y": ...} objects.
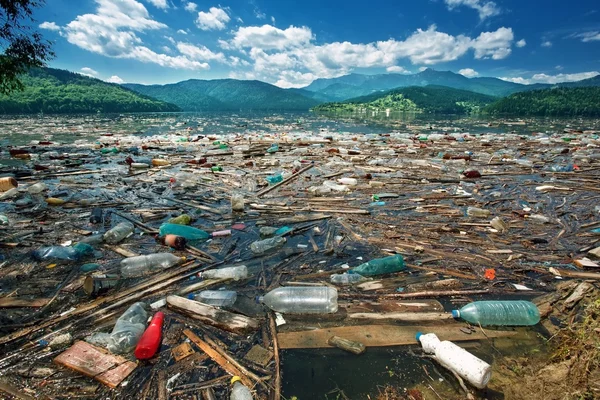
[
  {"x": 113, "y": 32},
  {"x": 396, "y": 69},
  {"x": 166, "y": 49},
  {"x": 273, "y": 20},
  {"x": 547, "y": 43},
  {"x": 115, "y": 79},
  {"x": 468, "y": 72},
  {"x": 258, "y": 14},
  {"x": 559, "y": 67},
  {"x": 485, "y": 9},
  {"x": 159, "y": 3},
  {"x": 87, "y": 71},
  {"x": 521, "y": 43},
  {"x": 495, "y": 45},
  {"x": 422, "y": 69},
  {"x": 585, "y": 37},
  {"x": 552, "y": 79},
  {"x": 51, "y": 26},
  {"x": 268, "y": 37},
  {"x": 181, "y": 32},
  {"x": 200, "y": 53},
  {"x": 191, "y": 7},
  {"x": 214, "y": 19}
]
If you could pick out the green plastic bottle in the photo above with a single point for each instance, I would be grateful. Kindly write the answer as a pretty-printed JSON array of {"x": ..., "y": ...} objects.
[
  {"x": 216, "y": 168},
  {"x": 185, "y": 231},
  {"x": 381, "y": 266},
  {"x": 183, "y": 219}
]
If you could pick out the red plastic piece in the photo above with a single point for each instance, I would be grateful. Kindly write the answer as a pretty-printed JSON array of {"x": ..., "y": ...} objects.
[
  {"x": 151, "y": 339},
  {"x": 490, "y": 274}
]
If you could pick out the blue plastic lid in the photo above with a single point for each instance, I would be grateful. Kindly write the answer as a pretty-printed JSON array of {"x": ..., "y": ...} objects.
[
  {"x": 258, "y": 299},
  {"x": 455, "y": 314},
  {"x": 190, "y": 296},
  {"x": 418, "y": 335}
]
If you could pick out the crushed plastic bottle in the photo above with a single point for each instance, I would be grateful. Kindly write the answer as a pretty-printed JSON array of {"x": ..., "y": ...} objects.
[
  {"x": 379, "y": 266},
  {"x": 301, "y": 300},
  {"x": 183, "y": 219},
  {"x": 499, "y": 224},
  {"x": 499, "y": 312},
  {"x": 188, "y": 232},
  {"x": 476, "y": 212},
  {"x": 126, "y": 333},
  {"x": 141, "y": 265},
  {"x": 267, "y": 231},
  {"x": 216, "y": 298},
  {"x": 118, "y": 233},
  {"x": 263, "y": 246},
  {"x": 347, "y": 278},
  {"x": 235, "y": 273},
  {"x": 474, "y": 370},
  {"x": 239, "y": 391},
  {"x": 237, "y": 202},
  {"x": 69, "y": 253}
]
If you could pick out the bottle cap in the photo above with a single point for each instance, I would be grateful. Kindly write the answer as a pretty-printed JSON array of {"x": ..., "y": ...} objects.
[
  {"x": 455, "y": 314},
  {"x": 418, "y": 335},
  {"x": 190, "y": 296},
  {"x": 235, "y": 379},
  {"x": 258, "y": 299}
]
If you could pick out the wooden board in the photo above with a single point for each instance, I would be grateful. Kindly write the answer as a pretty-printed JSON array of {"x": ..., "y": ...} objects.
[
  {"x": 15, "y": 302},
  {"x": 96, "y": 363},
  {"x": 182, "y": 351},
  {"x": 389, "y": 306},
  {"x": 379, "y": 335}
]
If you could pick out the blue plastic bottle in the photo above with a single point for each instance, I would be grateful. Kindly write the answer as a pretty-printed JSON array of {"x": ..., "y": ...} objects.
[{"x": 500, "y": 313}]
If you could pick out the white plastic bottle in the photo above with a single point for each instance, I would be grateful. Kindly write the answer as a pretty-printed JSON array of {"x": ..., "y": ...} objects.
[
  {"x": 235, "y": 273},
  {"x": 141, "y": 265},
  {"x": 238, "y": 390},
  {"x": 476, "y": 371}
]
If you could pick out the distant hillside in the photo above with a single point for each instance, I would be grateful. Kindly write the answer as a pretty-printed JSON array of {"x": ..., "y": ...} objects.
[
  {"x": 561, "y": 101},
  {"x": 50, "y": 90},
  {"x": 354, "y": 85},
  {"x": 226, "y": 95},
  {"x": 432, "y": 99}
]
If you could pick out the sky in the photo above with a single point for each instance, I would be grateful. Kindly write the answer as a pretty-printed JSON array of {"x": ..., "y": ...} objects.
[{"x": 292, "y": 43}]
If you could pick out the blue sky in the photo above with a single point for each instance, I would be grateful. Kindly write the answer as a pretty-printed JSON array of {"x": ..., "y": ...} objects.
[{"x": 291, "y": 43}]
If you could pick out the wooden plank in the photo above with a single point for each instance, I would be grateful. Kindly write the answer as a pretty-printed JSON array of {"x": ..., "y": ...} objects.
[
  {"x": 182, "y": 351},
  {"x": 400, "y": 316},
  {"x": 15, "y": 302},
  {"x": 121, "y": 251},
  {"x": 96, "y": 363},
  {"x": 389, "y": 306},
  {"x": 379, "y": 335},
  {"x": 285, "y": 181},
  {"x": 213, "y": 316}
]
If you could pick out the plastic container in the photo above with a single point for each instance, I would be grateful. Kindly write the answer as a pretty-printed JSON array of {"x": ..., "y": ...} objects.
[
  {"x": 348, "y": 181},
  {"x": 217, "y": 298},
  {"x": 118, "y": 233},
  {"x": 235, "y": 273},
  {"x": 188, "y": 232},
  {"x": 347, "y": 279},
  {"x": 474, "y": 370},
  {"x": 141, "y": 265},
  {"x": 477, "y": 212},
  {"x": 69, "y": 253},
  {"x": 183, "y": 219},
  {"x": 9, "y": 194},
  {"x": 239, "y": 391},
  {"x": 8, "y": 183},
  {"x": 499, "y": 312},
  {"x": 302, "y": 300},
  {"x": 386, "y": 265},
  {"x": 273, "y": 179},
  {"x": 267, "y": 245},
  {"x": 37, "y": 188},
  {"x": 151, "y": 338},
  {"x": 237, "y": 202}
]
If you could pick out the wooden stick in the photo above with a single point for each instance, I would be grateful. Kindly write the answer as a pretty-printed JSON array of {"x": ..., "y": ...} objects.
[
  {"x": 416, "y": 294},
  {"x": 276, "y": 395},
  {"x": 194, "y": 205},
  {"x": 137, "y": 223},
  {"x": 285, "y": 181}
]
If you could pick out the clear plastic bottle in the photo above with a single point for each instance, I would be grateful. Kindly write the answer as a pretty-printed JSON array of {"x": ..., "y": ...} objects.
[
  {"x": 239, "y": 391},
  {"x": 9, "y": 194},
  {"x": 476, "y": 371},
  {"x": 118, "y": 233},
  {"x": 267, "y": 231},
  {"x": 37, "y": 188},
  {"x": 264, "y": 246},
  {"x": 237, "y": 202},
  {"x": 68, "y": 253},
  {"x": 128, "y": 330},
  {"x": 477, "y": 212},
  {"x": 347, "y": 279},
  {"x": 217, "y": 298},
  {"x": 302, "y": 300},
  {"x": 141, "y": 265},
  {"x": 386, "y": 265},
  {"x": 348, "y": 181},
  {"x": 499, "y": 312},
  {"x": 235, "y": 273},
  {"x": 188, "y": 232}
]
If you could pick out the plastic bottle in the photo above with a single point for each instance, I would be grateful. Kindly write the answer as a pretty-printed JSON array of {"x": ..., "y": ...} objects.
[
  {"x": 3, "y": 219},
  {"x": 128, "y": 330},
  {"x": 140, "y": 265},
  {"x": 118, "y": 233},
  {"x": 217, "y": 298},
  {"x": 173, "y": 241},
  {"x": 273, "y": 179},
  {"x": 301, "y": 300},
  {"x": 348, "y": 181},
  {"x": 151, "y": 338},
  {"x": 267, "y": 231},
  {"x": 477, "y": 212},
  {"x": 282, "y": 231},
  {"x": 188, "y": 232},
  {"x": 9, "y": 194},
  {"x": 183, "y": 219},
  {"x": 216, "y": 168},
  {"x": 379, "y": 266},
  {"x": 273, "y": 149},
  {"x": 474, "y": 370},
  {"x": 235, "y": 273},
  {"x": 562, "y": 168},
  {"x": 335, "y": 187},
  {"x": 237, "y": 202},
  {"x": 96, "y": 216},
  {"x": 263, "y": 246},
  {"x": 68, "y": 253},
  {"x": 158, "y": 162},
  {"x": 37, "y": 188},
  {"x": 239, "y": 391},
  {"x": 7, "y": 183},
  {"x": 499, "y": 224},
  {"x": 347, "y": 278},
  {"x": 499, "y": 312}
]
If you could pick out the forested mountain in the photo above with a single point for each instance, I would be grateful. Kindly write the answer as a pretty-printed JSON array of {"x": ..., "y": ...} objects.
[
  {"x": 432, "y": 99},
  {"x": 50, "y": 90},
  {"x": 561, "y": 101},
  {"x": 226, "y": 95}
]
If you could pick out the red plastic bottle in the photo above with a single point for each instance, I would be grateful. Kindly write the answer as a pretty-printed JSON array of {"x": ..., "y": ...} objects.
[{"x": 151, "y": 339}]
